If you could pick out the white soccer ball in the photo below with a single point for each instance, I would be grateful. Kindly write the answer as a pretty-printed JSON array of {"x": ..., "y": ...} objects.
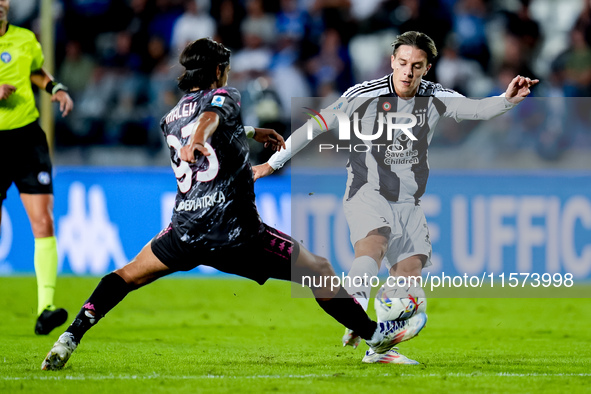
[{"x": 399, "y": 303}]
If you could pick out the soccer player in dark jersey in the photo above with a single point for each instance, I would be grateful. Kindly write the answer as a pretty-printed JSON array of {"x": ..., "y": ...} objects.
[
  {"x": 24, "y": 154},
  {"x": 215, "y": 221}
]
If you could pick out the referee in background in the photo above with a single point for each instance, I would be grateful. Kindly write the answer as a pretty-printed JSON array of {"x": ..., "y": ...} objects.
[{"x": 24, "y": 153}]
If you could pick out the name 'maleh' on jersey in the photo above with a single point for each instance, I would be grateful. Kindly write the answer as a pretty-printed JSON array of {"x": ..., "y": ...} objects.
[{"x": 181, "y": 111}]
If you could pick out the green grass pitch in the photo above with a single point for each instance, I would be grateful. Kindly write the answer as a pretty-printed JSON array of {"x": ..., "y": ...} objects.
[{"x": 188, "y": 335}]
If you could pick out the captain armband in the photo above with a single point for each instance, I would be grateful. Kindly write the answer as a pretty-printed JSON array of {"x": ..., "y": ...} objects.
[
  {"x": 249, "y": 130},
  {"x": 53, "y": 87}
]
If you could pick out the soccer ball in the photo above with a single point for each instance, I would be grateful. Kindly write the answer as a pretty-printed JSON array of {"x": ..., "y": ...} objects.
[{"x": 399, "y": 303}]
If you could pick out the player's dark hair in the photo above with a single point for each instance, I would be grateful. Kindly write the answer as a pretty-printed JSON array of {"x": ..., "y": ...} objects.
[
  {"x": 201, "y": 59},
  {"x": 418, "y": 40}
]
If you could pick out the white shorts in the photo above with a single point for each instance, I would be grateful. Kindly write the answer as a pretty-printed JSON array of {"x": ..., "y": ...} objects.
[{"x": 409, "y": 235}]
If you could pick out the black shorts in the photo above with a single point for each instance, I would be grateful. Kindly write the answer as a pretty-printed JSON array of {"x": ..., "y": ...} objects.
[
  {"x": 24, "y": 160},
  {"x": 268, "y": 254}
]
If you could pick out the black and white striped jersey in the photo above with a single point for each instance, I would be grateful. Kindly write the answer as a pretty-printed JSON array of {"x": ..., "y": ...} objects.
[{"x": 397, "y": 168}]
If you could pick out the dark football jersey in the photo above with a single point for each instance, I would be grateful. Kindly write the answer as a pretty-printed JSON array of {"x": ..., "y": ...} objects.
[{"x": 215, "y": 202}]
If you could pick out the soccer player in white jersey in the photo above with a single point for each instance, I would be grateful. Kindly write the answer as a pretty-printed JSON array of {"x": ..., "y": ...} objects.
[{"x": 381, "y": 202}]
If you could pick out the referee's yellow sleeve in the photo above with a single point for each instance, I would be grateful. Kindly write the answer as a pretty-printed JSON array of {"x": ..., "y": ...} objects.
[{"x": 37, "y": 55}]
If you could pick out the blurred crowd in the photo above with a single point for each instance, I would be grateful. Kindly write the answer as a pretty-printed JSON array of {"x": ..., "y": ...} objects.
[{"x": 119, "y": 57}]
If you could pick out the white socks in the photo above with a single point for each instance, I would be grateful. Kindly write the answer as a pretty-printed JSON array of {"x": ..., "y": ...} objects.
[{"x": 359, "y": 284}]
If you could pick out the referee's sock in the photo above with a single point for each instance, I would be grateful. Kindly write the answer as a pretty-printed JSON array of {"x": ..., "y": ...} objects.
[
  {"x": 347, "y": 311},
  {"x": 109, "y": 292},
  {"x": 358, "y": 280},
  {"x": 45, "y": 259}
]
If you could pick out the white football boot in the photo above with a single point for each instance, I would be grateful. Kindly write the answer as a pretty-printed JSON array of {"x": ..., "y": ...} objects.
[
  {"x": 390, "y": 357},
  {"x": 390, "y": 333},
  {"x": 60, "y": 353},
  {"x": 351, "y": 339}
]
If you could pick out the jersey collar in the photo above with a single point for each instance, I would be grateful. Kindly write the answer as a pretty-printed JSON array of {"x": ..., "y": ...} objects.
[{"x": 391, "y": 84}]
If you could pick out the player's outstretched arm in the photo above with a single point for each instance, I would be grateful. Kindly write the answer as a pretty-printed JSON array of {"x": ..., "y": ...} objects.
[
  {"x": 459, "y": 107},
  {"x": 58, "y": 92},
  {"x": 276, "y": 161},
  {"x": 269, "y": 137},
  {"x": 206, "y": 124},
  {"x": 519, "y": 89},
  {"x": 300, "y": 138},
  {"x": 262, "y": 170}
]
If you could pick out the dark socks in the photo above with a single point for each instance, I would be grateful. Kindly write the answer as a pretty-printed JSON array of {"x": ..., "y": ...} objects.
[
  {"x": 344, "y": 309},
  {"x": 109, "y": 292}
]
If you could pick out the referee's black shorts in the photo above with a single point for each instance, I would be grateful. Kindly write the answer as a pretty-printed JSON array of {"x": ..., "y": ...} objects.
[
  {"x": 25, "y": 161},
  {"x": 267, "y": 255}
]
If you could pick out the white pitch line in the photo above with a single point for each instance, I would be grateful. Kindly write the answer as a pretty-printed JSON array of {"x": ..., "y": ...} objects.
[{"x": 199, "y": 377}]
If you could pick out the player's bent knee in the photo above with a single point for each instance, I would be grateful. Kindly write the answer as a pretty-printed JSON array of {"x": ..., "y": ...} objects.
[
  {"x": 126, "y": 276},
  {"x": 318, "y": 274},
  {"x": 411, "y": 266},
  {"x": 42, "y": 227},
  {"x": 325, "y": 283},
  {"x": 373, "y": 245},
  {"x": 322, "y": 267}
]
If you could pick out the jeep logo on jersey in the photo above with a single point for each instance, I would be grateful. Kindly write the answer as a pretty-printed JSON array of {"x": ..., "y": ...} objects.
[
  {"x": 5, "y": 56},
  {"x": 408, "y": 122}
]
